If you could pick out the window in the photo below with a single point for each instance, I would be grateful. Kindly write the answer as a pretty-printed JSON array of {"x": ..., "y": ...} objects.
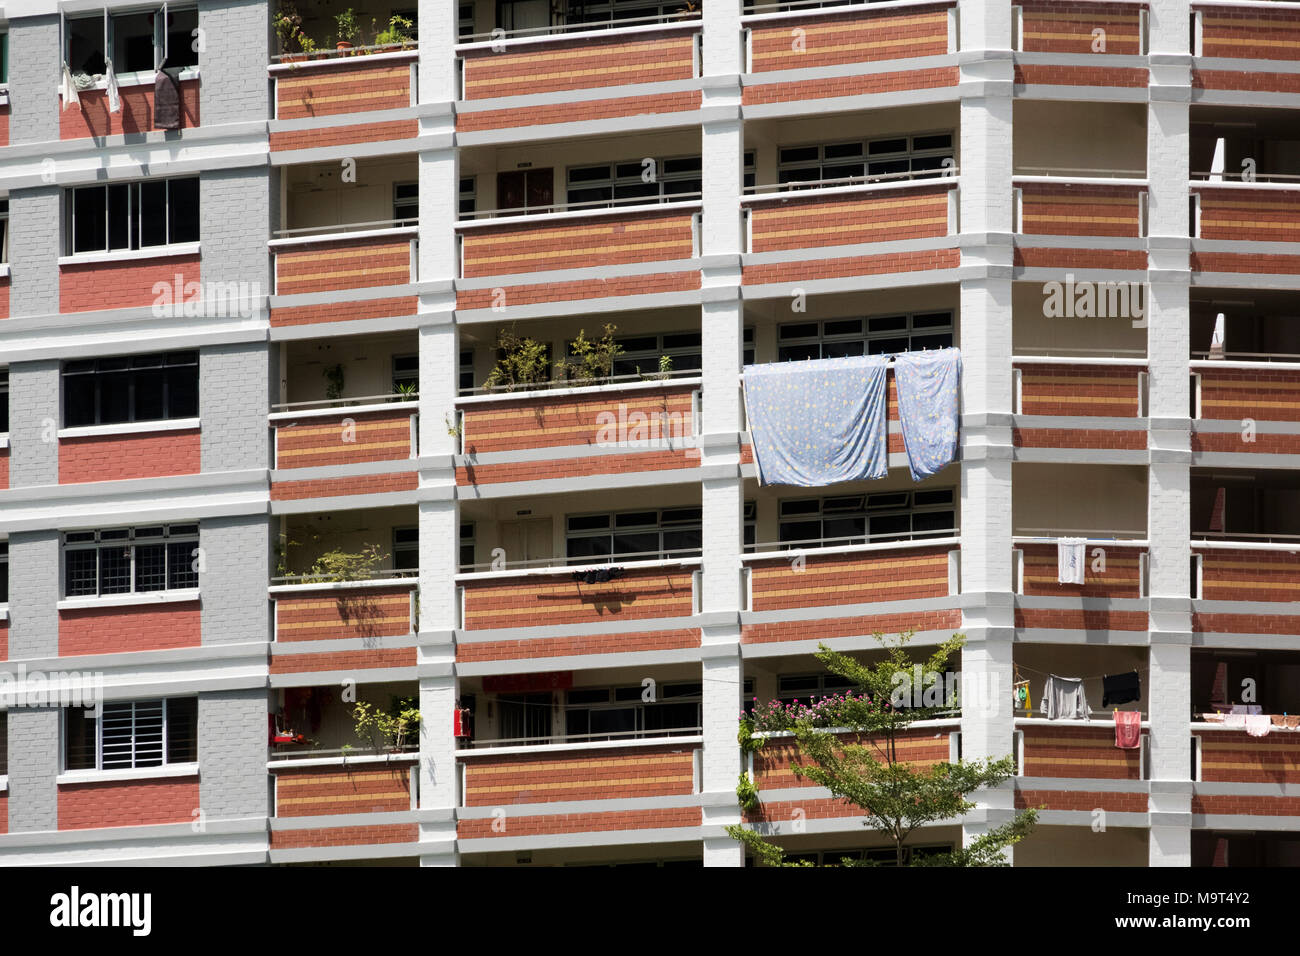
[
  {"x": 464, "y": 21},
  {"x": 876, "y": 335},
  {"x": 645, "y": 180},
  {"x": 406, "y": 204},
  {"x": 406, "y": 549},
  {"x": 130, "y": 560},
  {"x": 143, "y": 215},
  {"x": 131, "y": 734},
  {"x": 857, "y": 519},
  {"x": 810, "y": 687},
  {"x": 4, "y": 229},
  {"x": 466, "y": 546},
  {"x": 898, "y": 157},
  {"x": 641, "y": 353},
  {"x": 465, "y": 370},
  {"x": 4, "y": 59},
  {"x": 4, "y": 572},
  {"x": 406, "y": 374},
  {"x": 468, "y": 195},
  {"x": 607, "y": 11},
  {"x": 4, "y": 743},
  {"x": 141, "y": 388},
  {"x": 749, "y": 346},
  {"x": 751, "y": 526},
  {"x": 138, "y": 40},
  {"x": 672, "y": 532},
  {"x": 4, "y": 401},
  {"x": 622, "y": 711}
]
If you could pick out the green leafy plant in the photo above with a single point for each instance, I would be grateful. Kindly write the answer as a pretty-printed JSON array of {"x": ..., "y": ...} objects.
[
  {"x": 397, "y": 32},
  {"x": 332, "y": 565},
  {"x": 407, "y": 390},
  {"x": 591, "y": 360},
  {"x": 386, "y": 729},
  {"x": 746, "y": 738},
  {"x": 454, "y": 427},
  {"x": 746, "y": 793},
  {"x": 349, "y": 27},
  {"x": 863, "y": 766},
  {"x": 335, "y": 377},
  {"x": 521, "y": 363},
  {"x": 288, "y": 29}
]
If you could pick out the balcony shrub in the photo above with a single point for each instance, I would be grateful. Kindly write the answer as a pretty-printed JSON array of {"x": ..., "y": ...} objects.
[
  {"x": 386, "y": 729},
  {"x": 522, "y": 363},
  {"x": 590, "y": 360}
]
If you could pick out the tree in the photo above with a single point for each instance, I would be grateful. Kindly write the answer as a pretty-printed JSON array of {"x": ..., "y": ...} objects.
[{"x": 864, "y": 769}]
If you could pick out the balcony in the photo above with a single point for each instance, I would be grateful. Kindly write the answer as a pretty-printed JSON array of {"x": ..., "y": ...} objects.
[
  {"x": 1054, "y": 41},
  {"x": 369, "y": 626},
  {"x": 1079, "y": 750},
  {"x": 506, "y": 791},
  {"x": 1268, "y": 33},
  {"x": 591, "y": 70},
  {"x": 852, "y": 42},
  {"x": 338, "y": 99}
]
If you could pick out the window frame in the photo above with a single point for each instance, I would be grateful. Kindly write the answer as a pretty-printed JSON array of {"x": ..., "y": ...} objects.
[
  {"x": 4, "y": 401},
  {"x": 632, "y": 702},
  {"x": 613, "y": 181},
  {"x": 822, "y": 339},
  {"x": 160, "y": 39},
  {"x": 865, "y": 158},
  {"x": 97, "y": 384},
  {"x": 173, "y": 534},
  {"x": 135, "y": 217},
  {"x": 4, "y": 572},
  {"x": 167, "y": 713},
  {"x": 612, "y": 530},
  {"x": 866, "y": 512}
]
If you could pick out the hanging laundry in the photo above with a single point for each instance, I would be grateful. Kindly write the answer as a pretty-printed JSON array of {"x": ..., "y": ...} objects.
[
  {"x": 927, "y": 408},
  {"x": 1235, "y": 721},
  {"x": 167, "y": 98},
  {"x": 1071, "y": 556},
  {"x": 1063, "y": 698},
  {"x": 1119, "y": 689},
  {"x": 69, "y": 88},
  {"x": 820, "y": 422},
  {"x": 1128, "y": 729},
  {"x": 1216, "y": 513},
  {"x": 1258, "y": 725},
  {"x": 114, "y": 95}
]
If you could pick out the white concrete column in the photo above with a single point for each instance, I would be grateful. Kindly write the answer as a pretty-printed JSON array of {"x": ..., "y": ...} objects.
[
  {"x": 723, "y": 50},
  {"x": 438, "y": 70},
  {"x": 721, "y": 766}
]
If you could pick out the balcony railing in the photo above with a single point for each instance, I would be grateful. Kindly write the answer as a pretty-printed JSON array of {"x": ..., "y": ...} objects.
[
  {"x": 1247, "y": 212},
  {"x": 1077, "y": 749},
  {"x": 560, "y": 739},
  {"x": 344, "y": 258},
  {"x": 313, "y": 610},
  {"x": 1262, "y": 390},
  {"x": 1249, "y": 30},
  {"x": 1086, "y": 386},
  {"x": 336, "y": 83},
  {"x": 372, "y": 430},
  {"x": 1080, "y": 206},
  {"x": 835, "y": 32},
  {"x": 1246, "y": 567},
  {"x": 1224, "y": 754}
]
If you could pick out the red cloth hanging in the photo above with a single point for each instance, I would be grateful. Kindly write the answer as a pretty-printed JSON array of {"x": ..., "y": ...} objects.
[{"x": 1128, "y": 729}]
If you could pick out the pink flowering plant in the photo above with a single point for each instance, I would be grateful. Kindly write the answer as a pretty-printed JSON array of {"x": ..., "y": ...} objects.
[{"x": 845, "y": 709}]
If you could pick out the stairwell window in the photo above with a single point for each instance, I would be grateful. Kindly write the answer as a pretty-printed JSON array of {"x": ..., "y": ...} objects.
[
  {"x": 126, "y": 216},
  {"x": 859, "y": 519},
  {"x": 131, "y": 734},
  {"x": 130, "y": 560},
  {"x": 4, "y": 572},
  {"x": 874, "y": 335},
  {"x": 635, "y": 535},
  {"x": 139, "y": 388},
  {"x": 874, "y": 160}
]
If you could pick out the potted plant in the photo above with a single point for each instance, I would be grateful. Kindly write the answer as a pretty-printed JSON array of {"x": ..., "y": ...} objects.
[
  {"x": 387, "y": 728},
  {"x": 288, "y": 28},
  {"x": 396, "y": 33},
  {"x": 349, "y": 29}
]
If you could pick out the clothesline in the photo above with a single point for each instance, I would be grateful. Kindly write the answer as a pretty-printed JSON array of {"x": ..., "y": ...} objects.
[{"x": 1129, "y": 670}]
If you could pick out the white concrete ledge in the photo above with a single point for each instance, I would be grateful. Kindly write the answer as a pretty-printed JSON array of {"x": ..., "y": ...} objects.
[
  {"x": 546, "y": 218},
  {"x": 289, "y": 589},
  {"x": 130, "y": 428},
  {"x": 541, "y": 750},
  {"x": 344, "y": 411},
  {"x": 130, "y": 255},
  {"x": 394, "y": 232},
  {"x": 578, "y": 390},
  {"x": 134, "y": 773},
  {"x": 128, "y": 600},
  {"x": 552, "y": 570}
]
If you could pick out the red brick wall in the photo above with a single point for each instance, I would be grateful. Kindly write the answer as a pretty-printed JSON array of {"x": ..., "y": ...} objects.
[
  {"x": 1081, "y": 800},
  {"x": 1250, "y": 33},
  {"x": 1079, "y": 752},
  {"x": 800, "y": 223},
  {"x": 1067, "y": 27},
  {"x": 1248, "y": 575},
  {"x": 4, "y": 640},
  {"x": 658, "y": 282},
  {"x": 1245, "y": 623},
  {"x": 4, "y": 298},
  {"x": 1078, "y": 438},
  {"x": 314, "y": 440},
  {"x": 92, "y": 286},
  {"x": 671, "y": 818},
  {"x": 811, "y": 270},
  {"x": 343, "y": 264},
  {"x": 1077, "y": 619},
  {"x": 1247, "y": 214},
  {"x": 1032, "y": 74},
  {"x": 1265, "y": 394},
  {"x": 116, "y": 457},
  {"x": 345, "y": 311},
  {"x": 558, "y": 599},
  {"x": 130, "y": 803},
  {"x": 326, "y": 791},
  {"x": 345, "y": 836},
  {"x": 827, "y": 628},
  {"x": 827, "y": 580},
  {"x": 4, "y": 468},
  {"x": 473, "y": 122},
  {"x": 586, "y": 775},
  {"x": 339, "y": 615},
  {"x": 578, "y": 467},
  {"x": 1251, "y": 82},
  {"x": 4, "y": 813},
  {"x": 136, "y": 116},
  {"x": 1048, "y": 258},
  {"x": 309, "y": 90},
  {"x": 579, "y": 64},
  {"x": 4, "y": 126},
  {"x": 860, "y": 36},
  {"x": 570, "y": 646},
  {"x": 1231, "y": 757},
  {"x": 335, "y": 487},
  {"x": 538, "y": 421},
  {"x": 113, "y": 630},
  {"x": 343, "y": 661},
  {"x": 1079, "y": 210},
  {"x": 349, "y": 135},
  {"x": 858, "y": 85},
  {"x": 772, "y": 761},
  {"x": 1078, "y": 390},
  {"x": 1121, "y": 579},
  {"x": 647, "y": 236}
]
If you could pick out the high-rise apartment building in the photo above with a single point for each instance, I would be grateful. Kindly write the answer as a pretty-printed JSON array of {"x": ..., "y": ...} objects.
[{"x": 308, "y": 405}]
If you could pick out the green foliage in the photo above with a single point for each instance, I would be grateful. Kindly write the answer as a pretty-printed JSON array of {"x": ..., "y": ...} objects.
[
  {"x": 746, "y": 793},
  {"x": 407, "y": 390},
  {"x": 745, "y": 737},
  {"x": 332, "y": 565},
  {"x": 591, "y": 360},
  {"x": 335, "y": 377},
  {"x": 397, "y": 32},
  {"x": 288, "y": 28},
  {"x": 386, "y": 729},
  {"x": 665, "y": 366},
  {"x": 899, "y": 797},
  {"x": 348, "y": 25},
  {"x": 521, "y": 363}
]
